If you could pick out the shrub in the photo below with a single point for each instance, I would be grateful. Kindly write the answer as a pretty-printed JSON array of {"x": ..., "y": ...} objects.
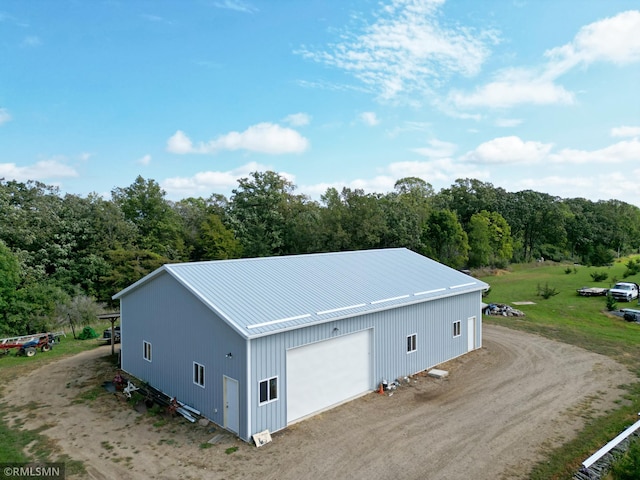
[
  {"x": 547, "y": 292},
  {"x": 633, "y": 267},
  {"x": 611, "y": 303},
  {"x": 599, "y": 276}
]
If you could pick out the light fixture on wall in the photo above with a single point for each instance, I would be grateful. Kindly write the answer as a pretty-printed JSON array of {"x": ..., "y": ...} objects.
[
  {"x": 228, "y": 355},
  {"x": 336, "y": 329}
]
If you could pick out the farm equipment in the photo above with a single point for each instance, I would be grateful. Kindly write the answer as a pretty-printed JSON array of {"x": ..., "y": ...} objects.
[
  {"x": 592, "y": 291},
  {"x": 28, "y": 345}
]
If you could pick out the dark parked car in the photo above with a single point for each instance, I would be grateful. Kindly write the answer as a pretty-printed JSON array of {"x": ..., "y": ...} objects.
[{"x": 106, "y": 335}]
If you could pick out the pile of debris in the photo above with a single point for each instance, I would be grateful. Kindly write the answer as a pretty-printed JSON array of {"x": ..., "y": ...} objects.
[
  {"x": 503, "y": 310},
  {"x": 151, "y": 396},
  {"x": 399, "y": 382}
]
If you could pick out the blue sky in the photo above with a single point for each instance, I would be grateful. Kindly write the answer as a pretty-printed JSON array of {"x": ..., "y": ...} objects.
[{"x": 524, "y": 94}]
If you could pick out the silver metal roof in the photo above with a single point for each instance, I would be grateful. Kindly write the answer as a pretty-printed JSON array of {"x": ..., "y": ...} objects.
[{"x": 261, "y": 296}]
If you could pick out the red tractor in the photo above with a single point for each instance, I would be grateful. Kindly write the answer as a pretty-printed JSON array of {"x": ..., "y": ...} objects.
[{"x": 30, "y": 347}]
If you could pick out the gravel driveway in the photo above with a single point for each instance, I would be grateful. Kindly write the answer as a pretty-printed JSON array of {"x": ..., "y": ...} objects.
[{"x": 501, "y": 408}]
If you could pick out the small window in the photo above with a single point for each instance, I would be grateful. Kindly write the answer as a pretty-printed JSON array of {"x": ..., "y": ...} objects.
[
  {"x": 412, "y": 343},
  {"x": 146, "y": 346},
  {"x": 456, "y": 328},
  {"x": 198, "y": 374},
  {"x": 269, "y": 390}
]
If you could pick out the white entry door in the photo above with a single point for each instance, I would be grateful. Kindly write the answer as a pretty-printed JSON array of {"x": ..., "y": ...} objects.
[
  {"x": 471, "y": 333},
  {"x": 326, "y": 373},
  {"x": 231, "y": 404}
]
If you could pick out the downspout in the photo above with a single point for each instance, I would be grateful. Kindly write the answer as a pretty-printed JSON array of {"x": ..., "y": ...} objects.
[{"x": 248, "y": 382}]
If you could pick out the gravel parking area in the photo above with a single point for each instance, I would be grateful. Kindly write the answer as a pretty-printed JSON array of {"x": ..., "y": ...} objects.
[{"x": 499, "y": 410}]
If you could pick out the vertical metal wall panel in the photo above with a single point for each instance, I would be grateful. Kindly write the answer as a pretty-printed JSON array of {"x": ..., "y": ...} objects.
[
  {"x": 432, "y": 321},
  {"x": 181, "y": 330},
  {"x": 203, "y": 311}
]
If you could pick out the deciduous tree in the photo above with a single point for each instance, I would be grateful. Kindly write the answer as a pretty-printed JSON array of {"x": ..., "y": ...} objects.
[{"x": 445, "y": 240}]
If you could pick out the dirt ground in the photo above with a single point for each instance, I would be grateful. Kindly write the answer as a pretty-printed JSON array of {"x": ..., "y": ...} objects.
[{"x": 501, "y": 408}]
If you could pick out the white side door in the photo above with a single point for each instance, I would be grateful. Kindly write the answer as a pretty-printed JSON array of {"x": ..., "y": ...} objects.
[
  {"x": 231, "y": 404},
  {"x": 471, "y": 333}
]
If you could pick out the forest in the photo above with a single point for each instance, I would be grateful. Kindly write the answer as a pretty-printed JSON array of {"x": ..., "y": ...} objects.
[{"x": 62, "y": 257}]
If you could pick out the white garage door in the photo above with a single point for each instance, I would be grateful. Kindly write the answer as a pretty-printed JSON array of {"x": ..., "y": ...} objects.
[{"x": 324, "y": 374}]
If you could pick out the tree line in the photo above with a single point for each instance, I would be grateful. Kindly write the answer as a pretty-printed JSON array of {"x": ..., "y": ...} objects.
[{"x": 62, "y": 257}]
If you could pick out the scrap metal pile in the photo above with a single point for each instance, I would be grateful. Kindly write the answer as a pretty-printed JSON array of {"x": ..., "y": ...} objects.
[
  {"x": 502, "y": 310},
  {"x": 151, "y": 396}
]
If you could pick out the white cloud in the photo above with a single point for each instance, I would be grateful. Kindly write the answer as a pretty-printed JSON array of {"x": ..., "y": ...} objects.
[
  {"x": 84, "y": 156},
  {"x": 620, "y": 185},
  {"x": 442, "y": 170},
  {"x": 318, "y": 189},
  {"x": 436, "y": 149},
  {"x": 605, "y": 186},
  {"x": 179, "y": 143},
  {"x": 552, "y": 182},
  {"x": 513, "y": 150},
  {"x": 623, "y": 131},
  {"x": 624, "y": 151},
  {"x": 515, "y": 87},
  {"x": 369, "y": 118},
  {"x": 508, "y": 122},
  {"x": 614, "y": 40},
  {"x": 377, "y": 184},
  {"x": 212, "y": 181},
  {"x": 237, "y": 5},
  {"x": 508, "y": 150},
  {"x": 298, "y": 119},
  {"x": 42, "y": 170},
  {"x": 265, "y": 137},
  {"x": 409, "y": 127},
  {"x": 145, "y": 160},
  {"x": 5, "y": 116},
  {"x": 566, "y": 186},
  {"x": 406, "y": 50}
]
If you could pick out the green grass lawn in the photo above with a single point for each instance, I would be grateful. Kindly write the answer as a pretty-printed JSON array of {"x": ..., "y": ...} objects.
[
  {"x": 580, "y": 321},
  {"x": 568, "y": 317}
]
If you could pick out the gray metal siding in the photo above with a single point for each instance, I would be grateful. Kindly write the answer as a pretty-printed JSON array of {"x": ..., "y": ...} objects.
[
  {"x": 432, "y": 321},
  {"x": 181, "y": 330}
]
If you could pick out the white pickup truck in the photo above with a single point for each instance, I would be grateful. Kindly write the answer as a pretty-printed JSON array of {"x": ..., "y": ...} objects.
[{"x": 624, "y": 291}]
